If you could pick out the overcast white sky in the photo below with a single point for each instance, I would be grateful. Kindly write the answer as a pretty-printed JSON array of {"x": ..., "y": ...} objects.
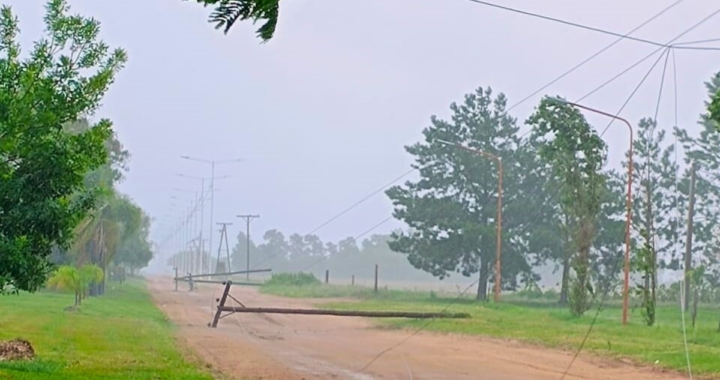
[{"x": 321, "y": 113}]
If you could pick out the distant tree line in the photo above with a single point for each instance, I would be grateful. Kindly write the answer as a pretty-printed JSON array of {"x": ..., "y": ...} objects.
[{"x": 344, "y": 258}]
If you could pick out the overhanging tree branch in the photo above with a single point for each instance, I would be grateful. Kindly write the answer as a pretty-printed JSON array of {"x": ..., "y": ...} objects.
[{"x": 228, "y": 12}]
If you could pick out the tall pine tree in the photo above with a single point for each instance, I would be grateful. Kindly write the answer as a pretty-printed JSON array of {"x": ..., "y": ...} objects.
[{"x": 451, "y": 209}]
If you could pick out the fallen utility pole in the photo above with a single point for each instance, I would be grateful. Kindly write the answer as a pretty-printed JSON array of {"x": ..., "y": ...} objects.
[
  {"x": 224, "y": 274},
  {"x": 223, "y": 282},
  {"x": 221, "y": 308},
  {"x": 344, "y": 313}
]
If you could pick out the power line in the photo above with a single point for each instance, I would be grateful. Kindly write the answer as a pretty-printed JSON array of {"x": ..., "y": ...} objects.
[
  {"x": 635, "y": 90},
  {"x": 667, "y": 51},
  {"x": 626, "y": 35},
  {"x": 696, "y": 42},
  {"x": 582, "y": 26},
  {"x": 454, "y": 300},
  {"x": 354, "y": 205},
  {"x": 361, "y": 201},
  {"x": 688, "y": 30},
  {"x": 537, "y": 215}
]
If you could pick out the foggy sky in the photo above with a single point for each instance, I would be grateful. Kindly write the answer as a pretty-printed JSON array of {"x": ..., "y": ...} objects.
[{"x": 320, "y": 114}]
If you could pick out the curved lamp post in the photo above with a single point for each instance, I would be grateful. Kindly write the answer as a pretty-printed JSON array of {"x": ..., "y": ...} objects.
[{"x": 628, "y": 217}]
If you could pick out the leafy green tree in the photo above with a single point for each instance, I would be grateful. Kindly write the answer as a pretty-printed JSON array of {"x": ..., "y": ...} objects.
[
  {"x": 714, "y": 109},
  {"x": 228, "y": 12},
  {"x": 43, "y": 167},
  {"x": 135, "y": 249},
  {"x": 609, "y": 244},
  {"x": 76, "y": 280},
  {"x": 451, "y": 209},
  {"x": 239, "y": 252},
  {"x": 655, "y": 220},
  {"x": 704, "y": 151},
  {"x": 577, "y": 155}
]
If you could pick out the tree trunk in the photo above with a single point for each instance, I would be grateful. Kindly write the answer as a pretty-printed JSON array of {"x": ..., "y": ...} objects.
[
  {"x": 566, "y": 265},
  {"x": 694, "y": 306},
  {"x": 483, "y": 281},
  {"x": 565, "y": 280}
]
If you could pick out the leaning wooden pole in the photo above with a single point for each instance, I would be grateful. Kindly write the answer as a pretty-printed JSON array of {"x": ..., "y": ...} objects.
[
  {"x": 224, "y": 274},
  {"x": 343, "y": 313},
  {"x": 221, "y": 303}
]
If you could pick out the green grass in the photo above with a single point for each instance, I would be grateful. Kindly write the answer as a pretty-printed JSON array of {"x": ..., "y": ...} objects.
[
  {"x": 120, "y": 335},
  {"x": 540, "y": 322}
]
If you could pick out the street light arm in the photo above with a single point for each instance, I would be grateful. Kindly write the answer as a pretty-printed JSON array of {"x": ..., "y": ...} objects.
[
  {"x": 628, "y": 202},
  {"x": 196, "y": 159}
]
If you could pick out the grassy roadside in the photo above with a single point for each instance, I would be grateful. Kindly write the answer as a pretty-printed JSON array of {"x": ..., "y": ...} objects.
[
  {"x": 120, "y": 335},
  {"x": 544, "y": 324}
]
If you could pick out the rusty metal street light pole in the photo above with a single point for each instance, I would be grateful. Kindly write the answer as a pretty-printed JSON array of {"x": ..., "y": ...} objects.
[
  {"x": 628, "y": 218},
  {"x": 498, "y": 244}
]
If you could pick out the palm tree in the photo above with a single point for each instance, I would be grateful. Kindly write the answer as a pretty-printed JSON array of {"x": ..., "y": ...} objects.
[
  {"x": 78, "y": 281},
  {"x": 100, "y": 234}
]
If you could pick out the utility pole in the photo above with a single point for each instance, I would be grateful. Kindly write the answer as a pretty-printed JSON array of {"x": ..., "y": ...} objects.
[
  {"x": 223, "y": 235},
  {"x": 248, "y": 218},
  {"x": 212, "y": 187},
  {"x": 689, "y": 235}
]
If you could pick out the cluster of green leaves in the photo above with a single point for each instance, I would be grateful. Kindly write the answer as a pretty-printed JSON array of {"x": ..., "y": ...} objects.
[
  {"x": 714, "y": 109},
  {"x": 76, "y": 280},
  {"x": 42, "y": 166},
  {"x": 451, "y": 210},
  {"x": 228, "y": 12},
  {"x": 576, "y": 154}
]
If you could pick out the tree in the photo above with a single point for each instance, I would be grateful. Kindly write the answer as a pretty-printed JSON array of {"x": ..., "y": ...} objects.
[
  {"x": 451, "y": 209},
  {"x": 135, "y": 249},
  {"x": 577, "y": 155},
  {"x": 655, "y": 220},
  {"x": 228, "y": 12},
  {"x": 239, "y": 252},
  {"x": 77, "y": 280},
  {"x": 714, "y": 109},
  {"x": 704, "y": 152},
  {"x": 43, "y": 167}
]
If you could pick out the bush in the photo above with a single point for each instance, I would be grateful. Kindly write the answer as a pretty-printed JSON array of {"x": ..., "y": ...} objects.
[{"x": 293, "y": 279}]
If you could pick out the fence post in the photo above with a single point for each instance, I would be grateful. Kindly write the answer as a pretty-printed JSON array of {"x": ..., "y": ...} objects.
[
  {"x": 352, "y": 282},
  {"x": 327, "y": 276},
  {"x": 376, "y": 278},
  {"x": 176, "y": 278}
]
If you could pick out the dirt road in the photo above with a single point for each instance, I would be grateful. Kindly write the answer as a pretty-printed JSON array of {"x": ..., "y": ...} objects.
[{"x": 296, "y": 347}]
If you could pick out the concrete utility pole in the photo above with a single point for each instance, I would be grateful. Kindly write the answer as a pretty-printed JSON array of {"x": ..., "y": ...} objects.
[
  {"x": 223, "y": 235},
  {"x": 248, "y": 218},
  {"x": 212, "y": 187},
  {"x": 628, "y": 203},
  {"x": 205, "y": 264},
  {"x": 689, "y": 236}
]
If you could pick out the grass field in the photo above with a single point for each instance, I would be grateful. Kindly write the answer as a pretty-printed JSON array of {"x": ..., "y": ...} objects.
[
  {"x": 120, "y": 335},
  {"x": 541, "y": 322}
]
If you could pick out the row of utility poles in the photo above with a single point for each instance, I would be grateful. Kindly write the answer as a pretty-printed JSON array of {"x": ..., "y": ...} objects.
[{"x": 187, "y": 242}]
